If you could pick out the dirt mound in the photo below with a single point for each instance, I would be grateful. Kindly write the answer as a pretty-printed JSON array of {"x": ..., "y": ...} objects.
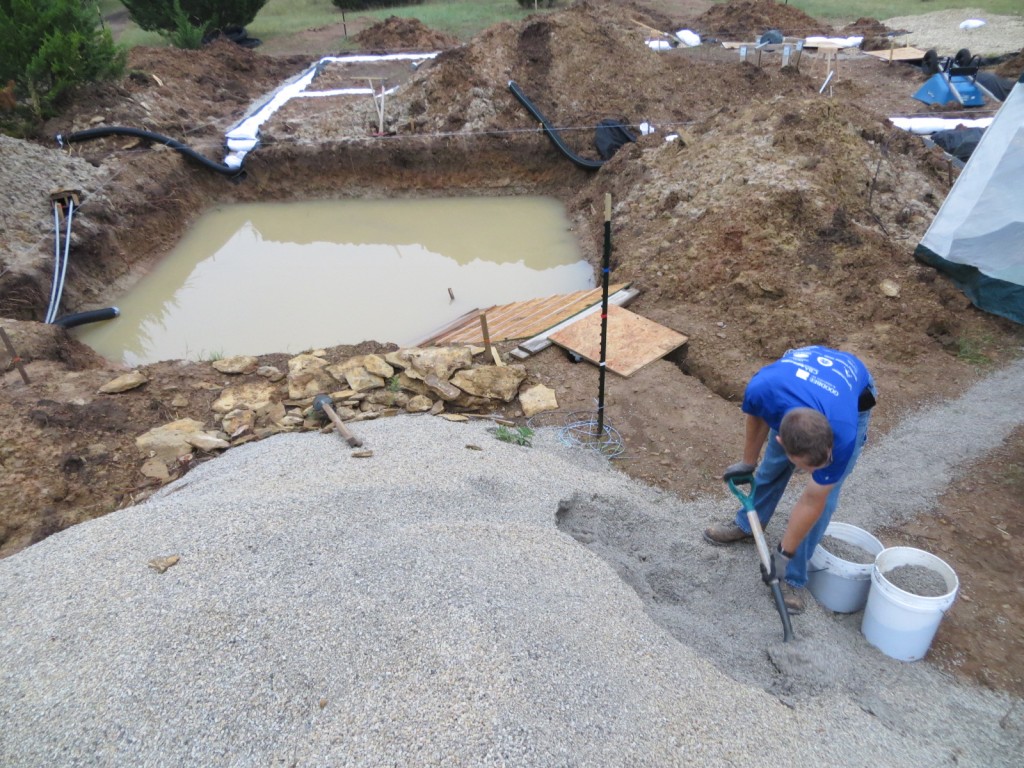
[
  {"x": 398, "y": 34},
  {"x": 748, "y": 19},
  {"x": 1012, "y": 68},
  {"x": 874, "y": 32},
  {"x": 166, "y": 89}
]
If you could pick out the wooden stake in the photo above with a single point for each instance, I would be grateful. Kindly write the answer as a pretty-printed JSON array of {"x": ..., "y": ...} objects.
[
  {"x": 378, "y": 106},
  {"x": 483, "y": 329},
  {"x": 14, "y": 356}
]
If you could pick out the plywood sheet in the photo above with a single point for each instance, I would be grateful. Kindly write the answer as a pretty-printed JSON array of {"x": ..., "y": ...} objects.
[
  {"x": 898, "y": 54},
  {"x": 633, "y": 341},
  {"x": 521, "y": 319}
]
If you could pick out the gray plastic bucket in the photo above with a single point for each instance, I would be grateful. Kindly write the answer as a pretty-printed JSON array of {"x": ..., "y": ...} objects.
[
  {"x": 899, "y": 623},
  {"x": 838, "y": 584}
]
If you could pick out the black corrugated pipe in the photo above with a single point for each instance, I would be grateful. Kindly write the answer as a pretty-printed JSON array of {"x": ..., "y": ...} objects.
[
  {"x": 115, "y": 130},
  {"x": 92, "y": 316},
  {"x": 551, "y": 131}
]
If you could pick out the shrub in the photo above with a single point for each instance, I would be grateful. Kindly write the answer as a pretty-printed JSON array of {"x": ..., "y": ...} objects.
[
  {"x": 207, "y": 15},
  {"x": 185, "y": 34},
  {"x": 48, "y": 47}
]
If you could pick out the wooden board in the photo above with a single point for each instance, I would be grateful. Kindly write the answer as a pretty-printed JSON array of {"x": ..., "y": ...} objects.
[
  {"x": 898, "y": 54},
  {"x": 770, "y": 47},
  {"x": 633, "y": 341},
  {"x": 519, "y": 320}
]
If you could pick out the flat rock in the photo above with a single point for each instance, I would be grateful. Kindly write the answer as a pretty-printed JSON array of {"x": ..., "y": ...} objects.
[
  {"x": 374, "y": 364},
  {"x": 537, "y": 399},
  {"x": 494, "y": 382},
  {"x": 236, "y": 364},
  {"x": 169, "y": 441},
  {"x": 124, "y": 383},
  {"x": 250, "y": 395},
  {"x": 308, "y": 376}
]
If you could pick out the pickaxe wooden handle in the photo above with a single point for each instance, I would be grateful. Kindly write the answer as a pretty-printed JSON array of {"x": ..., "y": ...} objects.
[{"x": 339, "y": 425}]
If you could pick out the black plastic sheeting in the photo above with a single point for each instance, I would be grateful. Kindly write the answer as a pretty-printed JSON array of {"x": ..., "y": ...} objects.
[
  {"x": 611, "y": 135},
  {"x": 959, "y": 142},
  {"x": 997, "y": 87}
]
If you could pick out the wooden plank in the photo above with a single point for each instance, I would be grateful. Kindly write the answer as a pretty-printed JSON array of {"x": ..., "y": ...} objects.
[
  {"x": 459, "y": 322},
  {"x": 541, "y": 341},
  {"x": 769, "y": 47},
  {"x": 908, "y": 53},
  {"x": 632, "y": 342},
  {"x": 518, "y": 320},
  {"x": 524, "y": 319}
]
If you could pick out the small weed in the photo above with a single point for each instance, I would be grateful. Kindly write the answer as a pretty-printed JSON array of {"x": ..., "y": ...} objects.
[
  {"x": 394, "y": 385},
  {"x": 212, "y": 357},
  {"x": 518, "y": 436},
  {"x": 970, "y": 351}
]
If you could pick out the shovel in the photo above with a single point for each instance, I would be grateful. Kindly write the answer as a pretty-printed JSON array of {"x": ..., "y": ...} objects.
[
  {"x": 768, "y": 574},
  {"x": 323, "y": 404}
]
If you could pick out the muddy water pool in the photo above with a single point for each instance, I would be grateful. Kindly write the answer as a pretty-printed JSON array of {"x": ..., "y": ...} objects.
[{"x": 288, "y": 277}]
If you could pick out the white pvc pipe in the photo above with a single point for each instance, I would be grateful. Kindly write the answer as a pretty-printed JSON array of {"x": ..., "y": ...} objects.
[
  {"x": 56, "y": 260},
  {"x": 926, "y": 125},
  {"x": 64, "y": 266}
]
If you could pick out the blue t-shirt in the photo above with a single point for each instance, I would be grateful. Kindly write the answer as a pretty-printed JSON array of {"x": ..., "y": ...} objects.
[{"x": 824, "y": 379}]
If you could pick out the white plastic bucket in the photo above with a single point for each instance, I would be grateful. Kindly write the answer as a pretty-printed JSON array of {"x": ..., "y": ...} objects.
[
  {"x": 840, "y": 585},
  {"x": 899, "y": 623}
]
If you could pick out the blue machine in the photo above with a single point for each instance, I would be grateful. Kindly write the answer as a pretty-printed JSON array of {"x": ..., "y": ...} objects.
[
  {"x": 954, "y": 85},
  {"x": 952, "y": 80}
]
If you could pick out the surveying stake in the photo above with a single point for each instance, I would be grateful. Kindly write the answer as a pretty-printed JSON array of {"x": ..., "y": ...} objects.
[
  {"x": 16, "y": 360},
  {"x": 378, "y": 105},
  {"x": 606, "y": 261}
]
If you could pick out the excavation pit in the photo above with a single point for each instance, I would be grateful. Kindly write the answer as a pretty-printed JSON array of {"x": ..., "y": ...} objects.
[{"x": 270, "y": 277}]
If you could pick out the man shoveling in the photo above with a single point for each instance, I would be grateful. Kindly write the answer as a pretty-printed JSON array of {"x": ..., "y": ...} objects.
[{"x": 810, "y": 411}]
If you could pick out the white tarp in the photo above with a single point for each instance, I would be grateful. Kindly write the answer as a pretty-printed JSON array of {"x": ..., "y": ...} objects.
[{"x": 981, "y": 223}]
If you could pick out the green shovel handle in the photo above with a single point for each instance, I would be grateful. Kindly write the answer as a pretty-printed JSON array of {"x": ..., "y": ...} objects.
[{"x": 746, "y": 499}]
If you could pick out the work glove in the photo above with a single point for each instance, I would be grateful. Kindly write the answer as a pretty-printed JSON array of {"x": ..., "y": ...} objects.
[
  {"x": 739, "y": 469},
  {"x": 779, "y": 562}
]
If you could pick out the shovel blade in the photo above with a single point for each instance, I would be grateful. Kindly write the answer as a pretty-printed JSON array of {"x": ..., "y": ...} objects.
[{"x": 780, "y": 605}]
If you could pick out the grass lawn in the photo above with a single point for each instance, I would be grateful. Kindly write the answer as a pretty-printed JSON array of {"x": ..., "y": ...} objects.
[{"x": 466, "y": 18}]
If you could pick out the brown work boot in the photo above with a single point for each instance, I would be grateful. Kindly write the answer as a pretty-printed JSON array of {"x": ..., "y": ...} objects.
[
  {"x": 793, "y": 597},
  {"x": 726, "y": 533}
]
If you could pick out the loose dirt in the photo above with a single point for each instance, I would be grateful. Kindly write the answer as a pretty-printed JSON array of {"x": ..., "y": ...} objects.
[{"x": 770, "y": 223}]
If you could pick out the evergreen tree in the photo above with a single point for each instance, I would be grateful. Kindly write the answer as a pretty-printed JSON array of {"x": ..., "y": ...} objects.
[
  {"x": 208, "y": 15},
  {"x": 48, "y": 47}
]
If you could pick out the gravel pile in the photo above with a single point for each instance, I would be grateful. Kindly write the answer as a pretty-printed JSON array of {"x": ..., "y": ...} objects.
[
  {"x": 941, "y": 31},
  {"x": 430, "y": 606}
]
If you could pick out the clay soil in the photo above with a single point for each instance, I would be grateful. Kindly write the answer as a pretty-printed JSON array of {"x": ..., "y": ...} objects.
[{"x": 771, "y": 223}]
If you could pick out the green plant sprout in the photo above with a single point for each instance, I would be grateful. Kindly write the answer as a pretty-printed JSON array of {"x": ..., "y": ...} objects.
[{"x": 517, "y": 436}]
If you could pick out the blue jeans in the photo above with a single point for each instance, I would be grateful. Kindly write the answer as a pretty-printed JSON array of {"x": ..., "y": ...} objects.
[{"x": 771, "y": 480}]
